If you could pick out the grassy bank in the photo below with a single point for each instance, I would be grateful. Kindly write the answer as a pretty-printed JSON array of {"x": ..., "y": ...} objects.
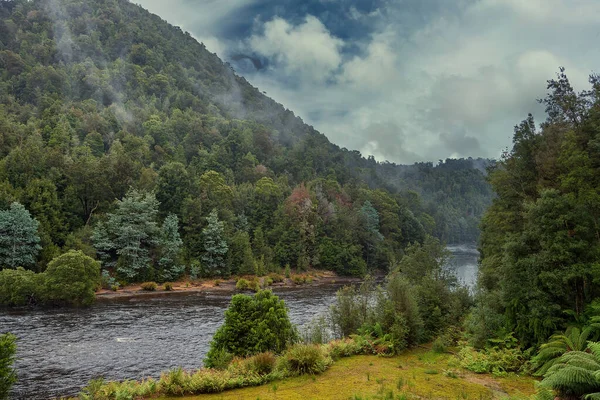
[{"x": 418, "y": 373}]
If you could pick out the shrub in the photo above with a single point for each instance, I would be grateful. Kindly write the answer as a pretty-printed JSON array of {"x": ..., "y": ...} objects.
[
  {"x": 8, "y": 348},
  {"x": 276, "y": 278},
  {"x": 168, "y": 286},
  {"x": 287, "y": 271},
  {"x": 173, "y": 382},
  {"x": 72, "y": 278},
  {"x": 299, "y": 279},
  {"x": 495, "y": 360},
  {"x": 343, "y": 348},
  {"x": 253, "y": 324},
  {"x": 149, "y": 286},
  {"x": 219, "y": 359},
  {"x": 439, "y": 346},
  {"x": 242, "y": 284},
  {"x": 262, "y": 363},
  {"x": 19, "y": 287},
  {"x": 304, "y": 359},
  {"x": 254, "y": 284},
  {"x": 268, "y": 281}
]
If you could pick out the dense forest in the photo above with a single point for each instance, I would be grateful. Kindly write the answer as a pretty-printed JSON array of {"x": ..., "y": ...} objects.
[
  {"x": 542, "y": 232},
  {"x": 124, "y": 138}
]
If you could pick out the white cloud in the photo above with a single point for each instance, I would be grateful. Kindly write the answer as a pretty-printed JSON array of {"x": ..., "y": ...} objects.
[
  {"x": 308, "y": 49},
  {"x": 425, "y": 84}
]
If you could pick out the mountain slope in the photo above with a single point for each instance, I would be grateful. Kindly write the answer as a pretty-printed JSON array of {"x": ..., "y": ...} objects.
[{"x": 98, "y": 97}]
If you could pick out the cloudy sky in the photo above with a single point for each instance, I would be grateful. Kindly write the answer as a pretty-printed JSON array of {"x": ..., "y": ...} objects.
[{"x": 403, "y": 80}]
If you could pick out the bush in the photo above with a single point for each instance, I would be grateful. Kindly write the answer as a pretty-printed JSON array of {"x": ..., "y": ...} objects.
[
  {"x": 19, "y": 287},
  {"x": 262, "y": 363},
  {"x": 71, "y": 278},
  {"x": 439, "y": 346},
  {"x": 149, "y": 286},
  {"x": 168, "y": 286},
  {"x": 304, "y": 359},
  {"x": 219, "y": 359},
  {"x": 343, "y": 348},
  {"x": 496, "y": 360},
  {"x": 276, "y": 278},
  {"x": 242, "y": 284},
  {"x": 8, "y": 348},
  {"x": 253, "y": 324}
]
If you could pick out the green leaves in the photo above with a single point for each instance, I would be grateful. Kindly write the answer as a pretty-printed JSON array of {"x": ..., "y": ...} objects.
[
  {"x": 19, "y": 241},
  {"x": 8, "y": 349},
  {"x": 253, "y": 324},
  {"x": 215, "y": 247}
]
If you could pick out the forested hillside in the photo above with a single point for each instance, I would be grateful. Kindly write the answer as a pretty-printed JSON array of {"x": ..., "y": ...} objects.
[
  {"x": 123, "y": 137},
  {"x": 541, "y": 237}
]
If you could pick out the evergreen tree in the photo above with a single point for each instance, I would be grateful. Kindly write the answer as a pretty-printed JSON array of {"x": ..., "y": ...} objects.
[
  {"x": 241, "y": 260},
  {"x": 170, "y": 265},
  {"x": 215, "y": 246},
  {"x": 19, "y": 240},
  {"x": 129, "y": 234},
  {"x": 371, "y": 235}
]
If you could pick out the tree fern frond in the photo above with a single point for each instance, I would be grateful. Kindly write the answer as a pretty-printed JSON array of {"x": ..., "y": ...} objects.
[
  {"x": 572, "y": 380},
  {"x": 594, "y": 347},
  {"x": 592, "y": 396}
]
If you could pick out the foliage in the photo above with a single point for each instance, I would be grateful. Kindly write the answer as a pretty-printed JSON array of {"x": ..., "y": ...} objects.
[
  {"x": 21, "y": 287},
  {"x": 97, "y": 108},
  {"x": 253, "y": 324},
  {"x": 215, "y": 247},
  {"x": 72, "y": 278},
  {"x": 169, "y": 264},
  {"x": 575, "y": 374},
  {"x": 19, "y": 240},
  {"x": 149, "y": 286},
  {"x": 8, "y": 348},
  {"x": 573, "y": 339},
  {"x": 303, "y": 359},
  {"x": 542, "y": 230}
]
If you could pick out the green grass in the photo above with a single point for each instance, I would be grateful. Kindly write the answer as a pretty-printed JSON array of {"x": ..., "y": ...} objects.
[{"x": 408, "y": 376}]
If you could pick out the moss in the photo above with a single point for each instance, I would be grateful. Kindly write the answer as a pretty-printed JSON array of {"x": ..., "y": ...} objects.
[{"x": 369, "y": 377}]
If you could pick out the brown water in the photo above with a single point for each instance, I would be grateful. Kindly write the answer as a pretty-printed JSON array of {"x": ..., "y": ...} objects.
[{"x": 60, "y": 350}]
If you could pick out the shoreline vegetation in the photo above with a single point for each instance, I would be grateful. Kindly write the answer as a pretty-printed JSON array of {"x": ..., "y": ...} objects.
[
  {"x": 306, "y": 279},
  {"x": 420, "y": 372}
]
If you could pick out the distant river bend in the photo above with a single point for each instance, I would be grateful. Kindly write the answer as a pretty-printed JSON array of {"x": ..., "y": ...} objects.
[{"x": 60, "y": 350}]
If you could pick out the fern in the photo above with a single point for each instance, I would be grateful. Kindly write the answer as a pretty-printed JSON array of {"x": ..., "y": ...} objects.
[
  {"x": 572, "y": 340},
  {"x": 575, "y": 373}
]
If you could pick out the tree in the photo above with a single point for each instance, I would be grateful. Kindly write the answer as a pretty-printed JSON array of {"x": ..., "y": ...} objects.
[
  {"x": 241, "y": 259},
  {"x": 215, "y": 247},
  {"x": 19, "y": 240},
  {"x": 169, "y": 263},
  {"x": 129, "y": 234},
  {"x": 253, "y": 324},
  {"x": 371, "y": 235},
  {"x": 72, "y": 278},
  {"x": 8, "y": 349},
  {"x": 172, "y": 187}
]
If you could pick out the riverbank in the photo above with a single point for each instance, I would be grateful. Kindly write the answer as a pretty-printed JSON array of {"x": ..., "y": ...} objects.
[
  {"x": 418, "y": 373},
  {"x": 311, "y": 279}
]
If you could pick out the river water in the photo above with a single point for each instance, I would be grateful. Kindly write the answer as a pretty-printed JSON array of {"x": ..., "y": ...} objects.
[{"x": 60, "y": 350}]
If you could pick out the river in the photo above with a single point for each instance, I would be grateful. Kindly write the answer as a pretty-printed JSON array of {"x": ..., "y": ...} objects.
[{"x": 60, "y": 350}]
